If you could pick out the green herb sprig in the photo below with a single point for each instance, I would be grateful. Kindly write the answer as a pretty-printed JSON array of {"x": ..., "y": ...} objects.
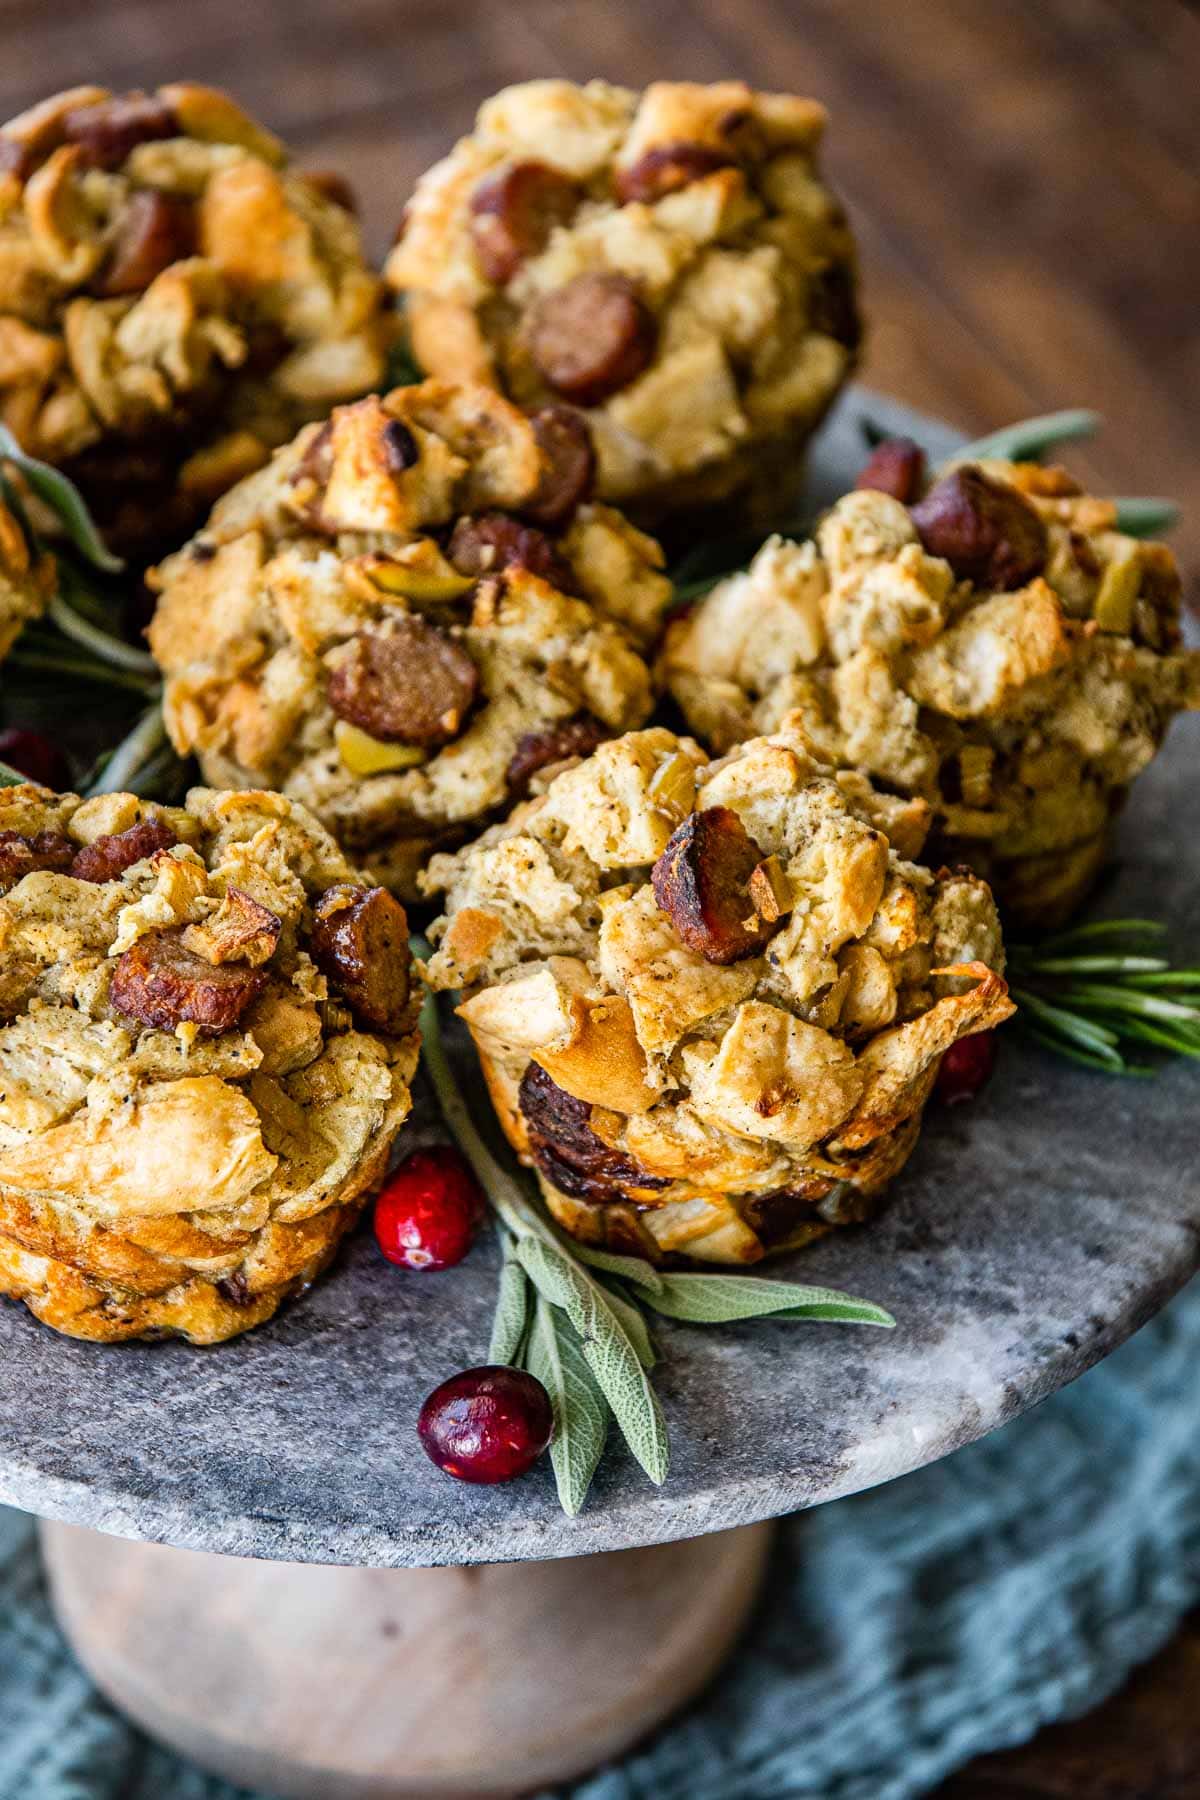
[
  {"x": 575, "y": 1317},
  {"x": 1092, "y": 993}
]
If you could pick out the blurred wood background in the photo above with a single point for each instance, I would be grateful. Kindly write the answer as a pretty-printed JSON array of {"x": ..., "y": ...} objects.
[
  {"x": 1025, "y": 177},
  {"x": 1025, "y": 181}
]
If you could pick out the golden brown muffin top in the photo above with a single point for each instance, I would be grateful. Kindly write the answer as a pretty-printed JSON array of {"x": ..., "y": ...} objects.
[
  {"x": 996, "y": 646},
  {"x": 175, "y": 298},
  {"x": 671, "y": 261},
  {"x": 207, "y": 1013},
  {"x": 411, "y": 611},
  {"x": 735, "y": 965}
]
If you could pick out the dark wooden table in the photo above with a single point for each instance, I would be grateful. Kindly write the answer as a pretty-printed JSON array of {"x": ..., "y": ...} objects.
[{"x": 1025, "y": 181}]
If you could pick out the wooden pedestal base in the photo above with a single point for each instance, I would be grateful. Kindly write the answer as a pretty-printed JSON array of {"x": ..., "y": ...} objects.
[{"x": 367, "y": 1684}]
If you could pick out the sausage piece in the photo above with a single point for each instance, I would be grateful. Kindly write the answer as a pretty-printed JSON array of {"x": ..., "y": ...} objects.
[
  {"x": 411, "y": 684},
  {"x": 567, "y": 1150},
  {"x": 489, "y": 542},
  {"x": 702, "y": 882},
  {"x": 108, "y": 130},
  {"x": 513, "y": 213},
  {"x": 666, "y": 168},
  {"x": 577, "y": 736},
  {"x": 895, "y": 467},
  {"x": 569, "y": 465},
  {"x": 360, "y": 942},
  {"x": 985, "y": 530},
  {"x": 592, "y": 337},
  {"x": 153, "y": 231},
  {"x": 21, "y": 855},
  {"x": 161, "y": 984},
  {"x": 109, "y": 857}
]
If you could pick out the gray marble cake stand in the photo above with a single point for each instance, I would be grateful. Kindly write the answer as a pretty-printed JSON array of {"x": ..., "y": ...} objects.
[{"x": 1031, "y": 1234}]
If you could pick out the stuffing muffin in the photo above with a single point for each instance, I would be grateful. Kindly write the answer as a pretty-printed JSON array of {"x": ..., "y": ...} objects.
[
  {"x": 207, "y": 1043},
  {"x": 175, "y": 299},
  {"x": 27, "y": 578},
  {"x": 711, "y": 998},
  {"x": 991, "y": 644},
  {"x": 406, "y": 616},
  {"x": 670, "y": 262}
]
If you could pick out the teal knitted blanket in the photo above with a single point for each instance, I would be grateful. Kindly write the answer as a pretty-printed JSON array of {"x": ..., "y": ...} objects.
[{"x": 908, "y": 1629}]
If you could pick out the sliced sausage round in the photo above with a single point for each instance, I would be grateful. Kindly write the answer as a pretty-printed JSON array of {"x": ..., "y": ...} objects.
[
  {"x": 567, "y": 1150},
  {"x": 592, "y": 337},
  {"x": 410, "y": 684},
  {"x": 577, "y": 736},
  {"x": 895, "y": 467},
  {"x": 985, "y": 530},
  {"x": 153, "y": 231},
  {"x": 360, "y": 942},
  {"x": 109, "y": 857},
  {"x": 513, "y": 213},
  {"x": 108, "y": 130},
  {"x": 702, "y": 882},
  {"x": 666, "y": 168},
  {"x": 21, "y": 855},
  {"x": 568, "y": 465},
  {"x": 490, "y": 542},
  {"x": 162, "y": 985}
]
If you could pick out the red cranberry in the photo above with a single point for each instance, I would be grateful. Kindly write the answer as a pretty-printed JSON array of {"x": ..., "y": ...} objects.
[
  {"x": 966, "y": 1067},
  {"x": 427, "y": 1215},
  {"x": 31, "y": 754},
  {"x": 486, "y": 1424}
]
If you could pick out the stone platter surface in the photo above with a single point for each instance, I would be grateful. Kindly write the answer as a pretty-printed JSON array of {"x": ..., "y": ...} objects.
[{"x": 1031, "y": 1233}]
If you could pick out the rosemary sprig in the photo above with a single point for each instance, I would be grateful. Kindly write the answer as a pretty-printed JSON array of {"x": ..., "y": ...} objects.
[
  {"x": 63, "y": 499},
  {"x": 574, "y": 1317},
  {"x": 1146, "y": 517},
  {"x": 1092, "y": 992},
  {"x": 1029, "y": 439}
]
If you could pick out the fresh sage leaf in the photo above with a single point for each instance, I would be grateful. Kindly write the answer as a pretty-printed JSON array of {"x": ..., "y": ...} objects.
[
  {"x": 10, "y": 777},
  {"x": 607, "y": 1349},
  {"x": 64, "y": 500},
  {"x": 718, "y": 1299},
  {"x": 1029, "y": 439},
  {"x": 634, "y": 1321},
  {"x": 626, "y": 1268},
  {"x": 555, "y": 1357},
  {"x": 512, "y": 1309}
]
